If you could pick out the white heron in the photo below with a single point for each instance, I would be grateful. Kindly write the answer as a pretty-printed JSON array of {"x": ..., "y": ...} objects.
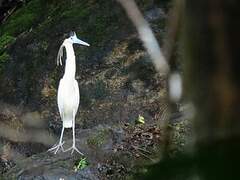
[{"x": 68, "y": 91}]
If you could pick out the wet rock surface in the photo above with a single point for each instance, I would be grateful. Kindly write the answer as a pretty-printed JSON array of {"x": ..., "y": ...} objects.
[{"x": 108, "y": 151}]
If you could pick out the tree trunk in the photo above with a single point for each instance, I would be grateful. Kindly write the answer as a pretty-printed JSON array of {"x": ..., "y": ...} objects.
[
  {"x": 213, "y": 66},
  {"x": 212, "y": 71},
  {"x": 211, "y": 56}
]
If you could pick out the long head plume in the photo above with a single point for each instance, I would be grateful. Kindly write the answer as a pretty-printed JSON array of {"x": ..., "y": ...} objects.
[{"x": 60, "y": 55}]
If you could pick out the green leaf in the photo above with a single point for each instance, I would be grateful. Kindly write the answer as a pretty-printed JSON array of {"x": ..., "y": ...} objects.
[
  {"x": 82, "y": 164},
  {"x": 140, "y": 119}
]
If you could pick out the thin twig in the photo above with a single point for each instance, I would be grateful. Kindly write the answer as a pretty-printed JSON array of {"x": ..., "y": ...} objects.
[
  {"x": 9, "y": 13},
  {"x": 141, "y": 149},
  {"x": 140, "y": 152}
]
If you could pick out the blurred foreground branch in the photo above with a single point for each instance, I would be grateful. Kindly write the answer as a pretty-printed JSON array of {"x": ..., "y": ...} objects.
[
  {"x": 37, "y": 136},
  {"x": 146, "y": 35}
]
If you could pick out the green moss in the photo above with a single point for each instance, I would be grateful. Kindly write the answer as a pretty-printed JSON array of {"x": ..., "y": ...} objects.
[
  {"x": 76, "y": 12},
  {"x": 99, "y": 138},
  {"x": 5, "y": 40},
  {"x": 24, "y": 18},
  {"x": 3, "y": 59}
]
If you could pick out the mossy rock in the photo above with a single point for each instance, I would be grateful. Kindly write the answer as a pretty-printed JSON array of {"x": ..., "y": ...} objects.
[
  {"x": 24, "y": 18},
  {"x": 5, "y": 41},
  {"x": 97, "y": 90},
  {"x": 3, "y": 58},
  {"x": 99, "y": 139},
  {"x": 141, "y": 69}
]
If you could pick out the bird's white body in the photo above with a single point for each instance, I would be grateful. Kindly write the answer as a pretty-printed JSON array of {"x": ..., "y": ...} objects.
[
  {"x": 68, "y": 101},
  {"x": 68, "y": 91}
]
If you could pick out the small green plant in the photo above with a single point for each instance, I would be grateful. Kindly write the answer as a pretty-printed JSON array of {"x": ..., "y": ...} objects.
[{"x": 81, "y": 164}]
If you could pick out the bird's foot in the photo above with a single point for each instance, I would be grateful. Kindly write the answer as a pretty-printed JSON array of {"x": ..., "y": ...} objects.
[
  {"x": 56, "y": 147},
  {"x": 73, "y": 148}
]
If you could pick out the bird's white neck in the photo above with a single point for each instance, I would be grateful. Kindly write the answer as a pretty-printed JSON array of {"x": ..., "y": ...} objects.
[{"x": 70, "y": 66}]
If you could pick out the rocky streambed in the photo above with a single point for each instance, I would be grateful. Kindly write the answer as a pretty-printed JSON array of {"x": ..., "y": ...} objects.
[{"x": 118, "y": 84}]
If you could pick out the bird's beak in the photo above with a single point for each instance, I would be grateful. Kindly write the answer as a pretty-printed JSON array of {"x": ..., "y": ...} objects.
[{"x": 78, "y": 41}]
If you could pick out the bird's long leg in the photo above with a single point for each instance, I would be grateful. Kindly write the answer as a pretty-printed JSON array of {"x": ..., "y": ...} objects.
[
  {"x": 73, "y": 148},
  {"x": 56, "y": 147},
  {"x": 74, "y": 140}
]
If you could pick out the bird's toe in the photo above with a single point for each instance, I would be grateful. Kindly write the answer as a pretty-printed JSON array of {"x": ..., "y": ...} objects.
[{"x": 55, "y": 148}]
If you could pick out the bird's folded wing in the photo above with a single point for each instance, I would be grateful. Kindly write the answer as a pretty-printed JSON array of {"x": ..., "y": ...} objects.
[{"x": 77, "y": 96}]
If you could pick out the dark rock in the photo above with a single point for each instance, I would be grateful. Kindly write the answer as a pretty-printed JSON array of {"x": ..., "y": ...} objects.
[
  {"x": 155, "y": 14},
  {"x": 86, "y": 174},
  {"x": 97, "y": 144},
  {"x": 5, "y": 165}
]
